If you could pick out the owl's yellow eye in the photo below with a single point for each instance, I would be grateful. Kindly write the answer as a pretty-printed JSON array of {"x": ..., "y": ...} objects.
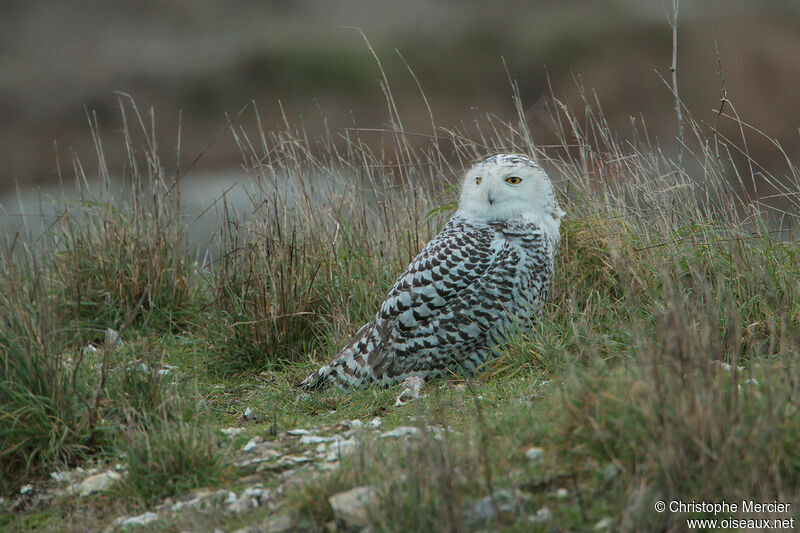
[
  {"x": 513, "y": 180},
  {"x": 478, "y": 180}
]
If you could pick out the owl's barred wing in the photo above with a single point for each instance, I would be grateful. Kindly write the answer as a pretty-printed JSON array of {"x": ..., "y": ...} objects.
[
  {"x": 439, "y": 314},
  {"x": 448, "y": 265}
]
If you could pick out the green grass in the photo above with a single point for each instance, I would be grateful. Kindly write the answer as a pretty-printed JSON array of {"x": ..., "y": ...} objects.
[
  {"x": 167, "y": 456},
  {"x": 114, "y": 267},
  {"x": 664, "y": 367},
  {"x": 44, "y": 418}
]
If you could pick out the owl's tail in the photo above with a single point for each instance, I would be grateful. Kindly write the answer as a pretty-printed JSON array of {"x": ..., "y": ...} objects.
[
  {"x": 318, "y": 380},
  {"x": 343, "y": 370}
]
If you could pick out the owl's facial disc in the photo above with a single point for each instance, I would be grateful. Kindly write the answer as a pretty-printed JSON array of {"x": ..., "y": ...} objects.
[{"x": 508, "y": 186}]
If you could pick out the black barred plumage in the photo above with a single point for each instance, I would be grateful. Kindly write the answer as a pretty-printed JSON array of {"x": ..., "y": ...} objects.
[{"x": 491, "y": 264}]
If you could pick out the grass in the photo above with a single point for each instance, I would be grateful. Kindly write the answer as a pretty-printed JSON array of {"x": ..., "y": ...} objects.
[
  {"x": 142, "y": 276},
  {"x": 168, "y": 456},
  {"x": 43, "y": 419},
  {"x": 665, "y": 367}
]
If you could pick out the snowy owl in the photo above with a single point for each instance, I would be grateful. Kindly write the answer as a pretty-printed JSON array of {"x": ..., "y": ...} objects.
[{"x": 491, "y": 264}]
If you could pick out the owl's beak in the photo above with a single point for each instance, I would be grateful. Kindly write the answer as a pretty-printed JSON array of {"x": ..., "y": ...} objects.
[{"x": 490, "y": 196}]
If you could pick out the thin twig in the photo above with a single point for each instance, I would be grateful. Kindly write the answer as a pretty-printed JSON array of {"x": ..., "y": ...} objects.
[
  {"x": 723, "y": 91},
  {"x": 674, "y": 69}
]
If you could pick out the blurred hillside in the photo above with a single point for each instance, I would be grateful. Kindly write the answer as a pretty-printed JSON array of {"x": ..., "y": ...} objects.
[{"x": 200, "y": 60}]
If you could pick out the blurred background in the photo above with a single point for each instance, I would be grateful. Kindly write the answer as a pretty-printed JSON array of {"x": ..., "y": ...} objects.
[{"x": 196, "y": 61}]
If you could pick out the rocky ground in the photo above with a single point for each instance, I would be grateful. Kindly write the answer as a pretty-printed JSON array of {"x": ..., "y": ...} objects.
[
  {"x": 266, "y": 468},
  {"x": 270, "y": 467}
]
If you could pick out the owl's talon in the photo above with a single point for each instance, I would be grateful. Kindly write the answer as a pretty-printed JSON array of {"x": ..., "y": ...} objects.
[{"x": 413, "y": 384}]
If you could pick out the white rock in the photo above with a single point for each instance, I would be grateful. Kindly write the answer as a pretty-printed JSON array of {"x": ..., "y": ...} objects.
[
  {"x": 375, "y": 423},
  {"x": 26, "y": 489},
  {"x": 259, "y": 493},
  {"x": 279, "y": 524},
  {"x": 298, "y": 432},
  {"x": 435, "y": 431},
  {"x": 341, "y": 448},
  {"x": 354, "y": 424},
  {"x": 73, "y": 489},
  {"x": 99, "y": 482},
  {"x": 61, "y": 476},
  {"x": 252, "y": 444},
  {"x": 112, "y": 338},
  {"x": 141, "y": 520},
  {"x": 400, "y": 431},
  {"x": 352, "y": 507},
  {"x": 296, "y": 459},
  {"x": 206, "y": 501},
  {"x": 316, "y": 439},
  {"x": 542, "y": 515},
  {"x": 534, "y": 454},
  {"x": 321, "y": 448},
  {"x": 562, "y": 493},
  {"x": 603, "y": 524},
  {"x": 177, "y": 506},
  {"x": 725, "y": 367},
  {"x": 251, "y": 498},
  {"x": 89, "y": 349},
  {"x": 264, "y": 457},
  {"x": 232, "y": 431},
  {"x": 486, "y": 508}
]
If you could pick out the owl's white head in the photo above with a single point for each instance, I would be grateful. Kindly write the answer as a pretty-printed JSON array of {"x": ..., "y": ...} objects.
[{"x": 507, "y": 186}]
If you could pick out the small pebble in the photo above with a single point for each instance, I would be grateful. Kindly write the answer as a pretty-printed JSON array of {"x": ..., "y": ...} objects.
[
  {"x": 401, "y": 431},
  {"x": 252, "y": 444},
  {"x": 232, "y": 432},
  {"x": 610, "y": 471},
  {"x": 605, "y": 523},
  {"x": 542, "y": 515},
  {"x": 534, "y": 454}
]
